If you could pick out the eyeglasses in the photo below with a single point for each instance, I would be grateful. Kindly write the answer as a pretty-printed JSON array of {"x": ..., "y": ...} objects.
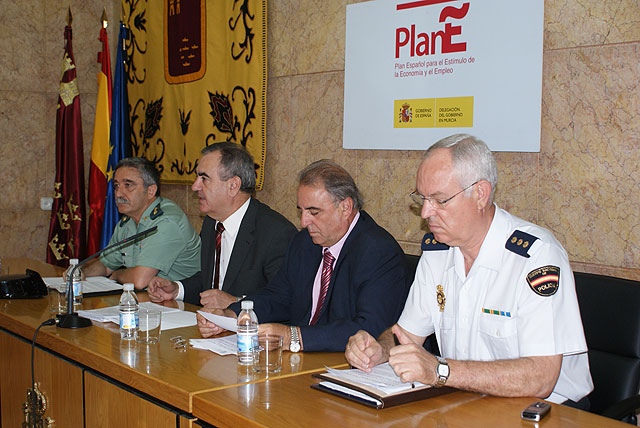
[{"x": 435, "y": 203}]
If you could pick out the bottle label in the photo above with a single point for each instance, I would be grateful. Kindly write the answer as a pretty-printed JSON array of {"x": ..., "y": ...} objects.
[
  {"x": 77, "y": 288},
  {"x": 247, "y": 342},
  {"x": 128, "y": 320}
]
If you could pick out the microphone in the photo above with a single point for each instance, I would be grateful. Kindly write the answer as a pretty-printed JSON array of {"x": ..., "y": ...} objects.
[{"x": 71, "y": 319}]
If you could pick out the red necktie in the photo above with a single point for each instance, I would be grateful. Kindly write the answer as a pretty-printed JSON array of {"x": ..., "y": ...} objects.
[
  {"x": 216, "y": 272},
  {"x": 325, "y": 279}
]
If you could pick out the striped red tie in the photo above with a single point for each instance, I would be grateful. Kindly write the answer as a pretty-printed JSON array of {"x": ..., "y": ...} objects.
[
  {"x": 325, "y": 279},
  {"x": 216, "y": 272}
]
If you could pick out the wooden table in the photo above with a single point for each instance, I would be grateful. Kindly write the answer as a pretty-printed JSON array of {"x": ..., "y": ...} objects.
[
  {"x": 91, "y": 378},
  {"x": 158, "y": 372},
  {"x": 291, "y": 402},
  {"x": 144, "y": 366}
]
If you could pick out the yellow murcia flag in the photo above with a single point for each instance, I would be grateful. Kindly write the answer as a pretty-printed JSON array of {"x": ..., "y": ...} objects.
[{"x": 197, "y": 75}]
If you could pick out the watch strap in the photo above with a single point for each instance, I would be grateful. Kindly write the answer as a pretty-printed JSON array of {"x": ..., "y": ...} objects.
[
  {"x": 295, "y": 339},
  {"x": 441, "y": 378}
]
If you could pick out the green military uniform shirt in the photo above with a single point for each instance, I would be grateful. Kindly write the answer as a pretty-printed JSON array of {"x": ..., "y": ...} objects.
[{"x": 174, "y": 249}]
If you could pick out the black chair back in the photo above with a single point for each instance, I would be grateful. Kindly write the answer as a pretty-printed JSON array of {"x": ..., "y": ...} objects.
[{"x": 610, "y": 310}]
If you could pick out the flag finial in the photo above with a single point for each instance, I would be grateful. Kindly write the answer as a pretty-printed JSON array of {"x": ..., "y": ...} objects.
[
  {"x": 104, "y": 18},
  {"x": 69, "y": 17}
]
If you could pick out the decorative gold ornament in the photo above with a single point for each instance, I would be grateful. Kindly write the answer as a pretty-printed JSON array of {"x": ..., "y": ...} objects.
[
  {"x": 34, "y": 417},
  {"x": 441, "y": 298}
]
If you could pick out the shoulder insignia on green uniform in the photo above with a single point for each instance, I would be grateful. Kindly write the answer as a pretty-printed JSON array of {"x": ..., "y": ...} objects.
[
  {"x": 520, "y": 242},
  {"x": 157, "y": 212},
  {"x": 429, "y": 243},
  {"x": 124, "y": 219}
]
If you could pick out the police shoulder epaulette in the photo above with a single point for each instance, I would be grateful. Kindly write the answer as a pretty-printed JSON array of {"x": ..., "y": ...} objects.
[
  {"x": 520, "y": 242},
  {"x": 429, "y": 243},
  {"x": 157, "y": 212},
  {"x": 124, "y": 219}
]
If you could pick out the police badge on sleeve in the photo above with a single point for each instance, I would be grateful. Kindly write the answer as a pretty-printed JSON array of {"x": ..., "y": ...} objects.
[{"x": 545, "y": 280}]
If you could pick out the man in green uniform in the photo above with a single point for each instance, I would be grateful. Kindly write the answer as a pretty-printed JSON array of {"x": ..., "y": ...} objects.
[{"x": 172, "y": 252}]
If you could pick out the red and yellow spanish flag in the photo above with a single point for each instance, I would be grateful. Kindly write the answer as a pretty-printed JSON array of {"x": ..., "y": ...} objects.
[
  {"x": 100, "y": 148},
  {"x": 67, "y": 228}
]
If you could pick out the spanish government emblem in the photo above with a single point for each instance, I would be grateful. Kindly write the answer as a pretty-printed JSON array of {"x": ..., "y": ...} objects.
[
  {"x": 440, "y": 296},
  {"x": 406, "y": 114}
]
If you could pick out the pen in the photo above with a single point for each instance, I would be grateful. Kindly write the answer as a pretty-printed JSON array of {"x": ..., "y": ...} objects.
[
  {"x": 395, "y": 340},
  {"x": 397, "y": 343}
]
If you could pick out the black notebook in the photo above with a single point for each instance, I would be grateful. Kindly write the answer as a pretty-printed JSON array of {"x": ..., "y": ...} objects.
[{"x": 379, "y": 389}]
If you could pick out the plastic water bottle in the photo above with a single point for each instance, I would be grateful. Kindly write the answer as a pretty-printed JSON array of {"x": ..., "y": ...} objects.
[
  {"x": 76, "y": 282},
  {"x": 247, "y": 333},
  {"x": 128, "y": 313}
]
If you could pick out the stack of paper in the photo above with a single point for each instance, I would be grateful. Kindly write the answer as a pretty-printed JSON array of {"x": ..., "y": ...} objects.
[
  {"x": 171, "y": 317},
  {"x": 379, "y": 388},
  {"x": 381, "y": 377}
]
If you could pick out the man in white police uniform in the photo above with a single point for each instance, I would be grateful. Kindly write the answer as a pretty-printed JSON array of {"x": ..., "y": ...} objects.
[{"x": 497, "y": 290}]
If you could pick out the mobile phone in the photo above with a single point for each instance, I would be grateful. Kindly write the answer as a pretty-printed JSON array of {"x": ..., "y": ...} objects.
[{"x": 536, "y": 411}]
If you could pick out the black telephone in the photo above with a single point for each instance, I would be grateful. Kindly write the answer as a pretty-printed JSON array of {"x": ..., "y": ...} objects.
[{"x": 22, "y": 286}]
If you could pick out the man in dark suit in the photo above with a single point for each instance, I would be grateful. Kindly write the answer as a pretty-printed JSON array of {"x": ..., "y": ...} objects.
[
  {"x": 243, "y": 240},
  {"x": 342, "y": 273}
]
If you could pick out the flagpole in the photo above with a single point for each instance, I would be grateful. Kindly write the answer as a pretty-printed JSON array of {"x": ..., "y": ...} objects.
[
  {"x": 100, "y": 145},
  {"x": 120, "y": 139},
  {"x": 67, "y": 226}
]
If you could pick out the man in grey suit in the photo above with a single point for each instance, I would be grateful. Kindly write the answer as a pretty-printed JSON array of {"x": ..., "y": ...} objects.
[{"x": 243, "y": 240}]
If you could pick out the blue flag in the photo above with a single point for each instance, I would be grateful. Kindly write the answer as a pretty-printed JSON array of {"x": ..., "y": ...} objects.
[{"x": 119, "y": 138}]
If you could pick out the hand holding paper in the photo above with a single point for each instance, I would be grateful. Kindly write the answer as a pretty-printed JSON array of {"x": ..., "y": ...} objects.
[{"x": 211, "y": 324}]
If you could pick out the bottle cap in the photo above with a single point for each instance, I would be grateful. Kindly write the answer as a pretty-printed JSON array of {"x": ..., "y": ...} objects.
[
  {"x": 127, "y": 287},
  {"x": 246, "y": 304},
  {"x": 73, "y": 262}
]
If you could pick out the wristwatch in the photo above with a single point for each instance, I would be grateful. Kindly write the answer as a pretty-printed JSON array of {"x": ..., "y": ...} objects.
[
  {"x": 442, "y": 372},
  {"x": 295, "y": 340}
]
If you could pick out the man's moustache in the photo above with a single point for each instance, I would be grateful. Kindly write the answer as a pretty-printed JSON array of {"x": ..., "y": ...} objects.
[{"x": 121, "y": 201}]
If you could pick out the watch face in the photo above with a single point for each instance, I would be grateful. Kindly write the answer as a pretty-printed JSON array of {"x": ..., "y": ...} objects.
[
  {"x": 295, "y": 347},
  {"x": 443, "y": 370}
]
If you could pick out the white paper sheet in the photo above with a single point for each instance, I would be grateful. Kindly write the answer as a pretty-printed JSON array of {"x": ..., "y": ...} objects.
[
  {"x": 177, "y": 319},
  {"x": 92, "y": 284},
  {"x": 171, "y": 317},
  {"x": 381, "y": 377},
  {"x": 227, "y": 345}
]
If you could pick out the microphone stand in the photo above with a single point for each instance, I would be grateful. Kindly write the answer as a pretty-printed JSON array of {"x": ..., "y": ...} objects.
[{"x": 71, "y": 319}]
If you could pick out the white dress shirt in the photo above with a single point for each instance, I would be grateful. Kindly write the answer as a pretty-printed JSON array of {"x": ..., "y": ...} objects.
[
  {"x": 492, "y": 313},
  {"x": 229, "y": 235}
]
